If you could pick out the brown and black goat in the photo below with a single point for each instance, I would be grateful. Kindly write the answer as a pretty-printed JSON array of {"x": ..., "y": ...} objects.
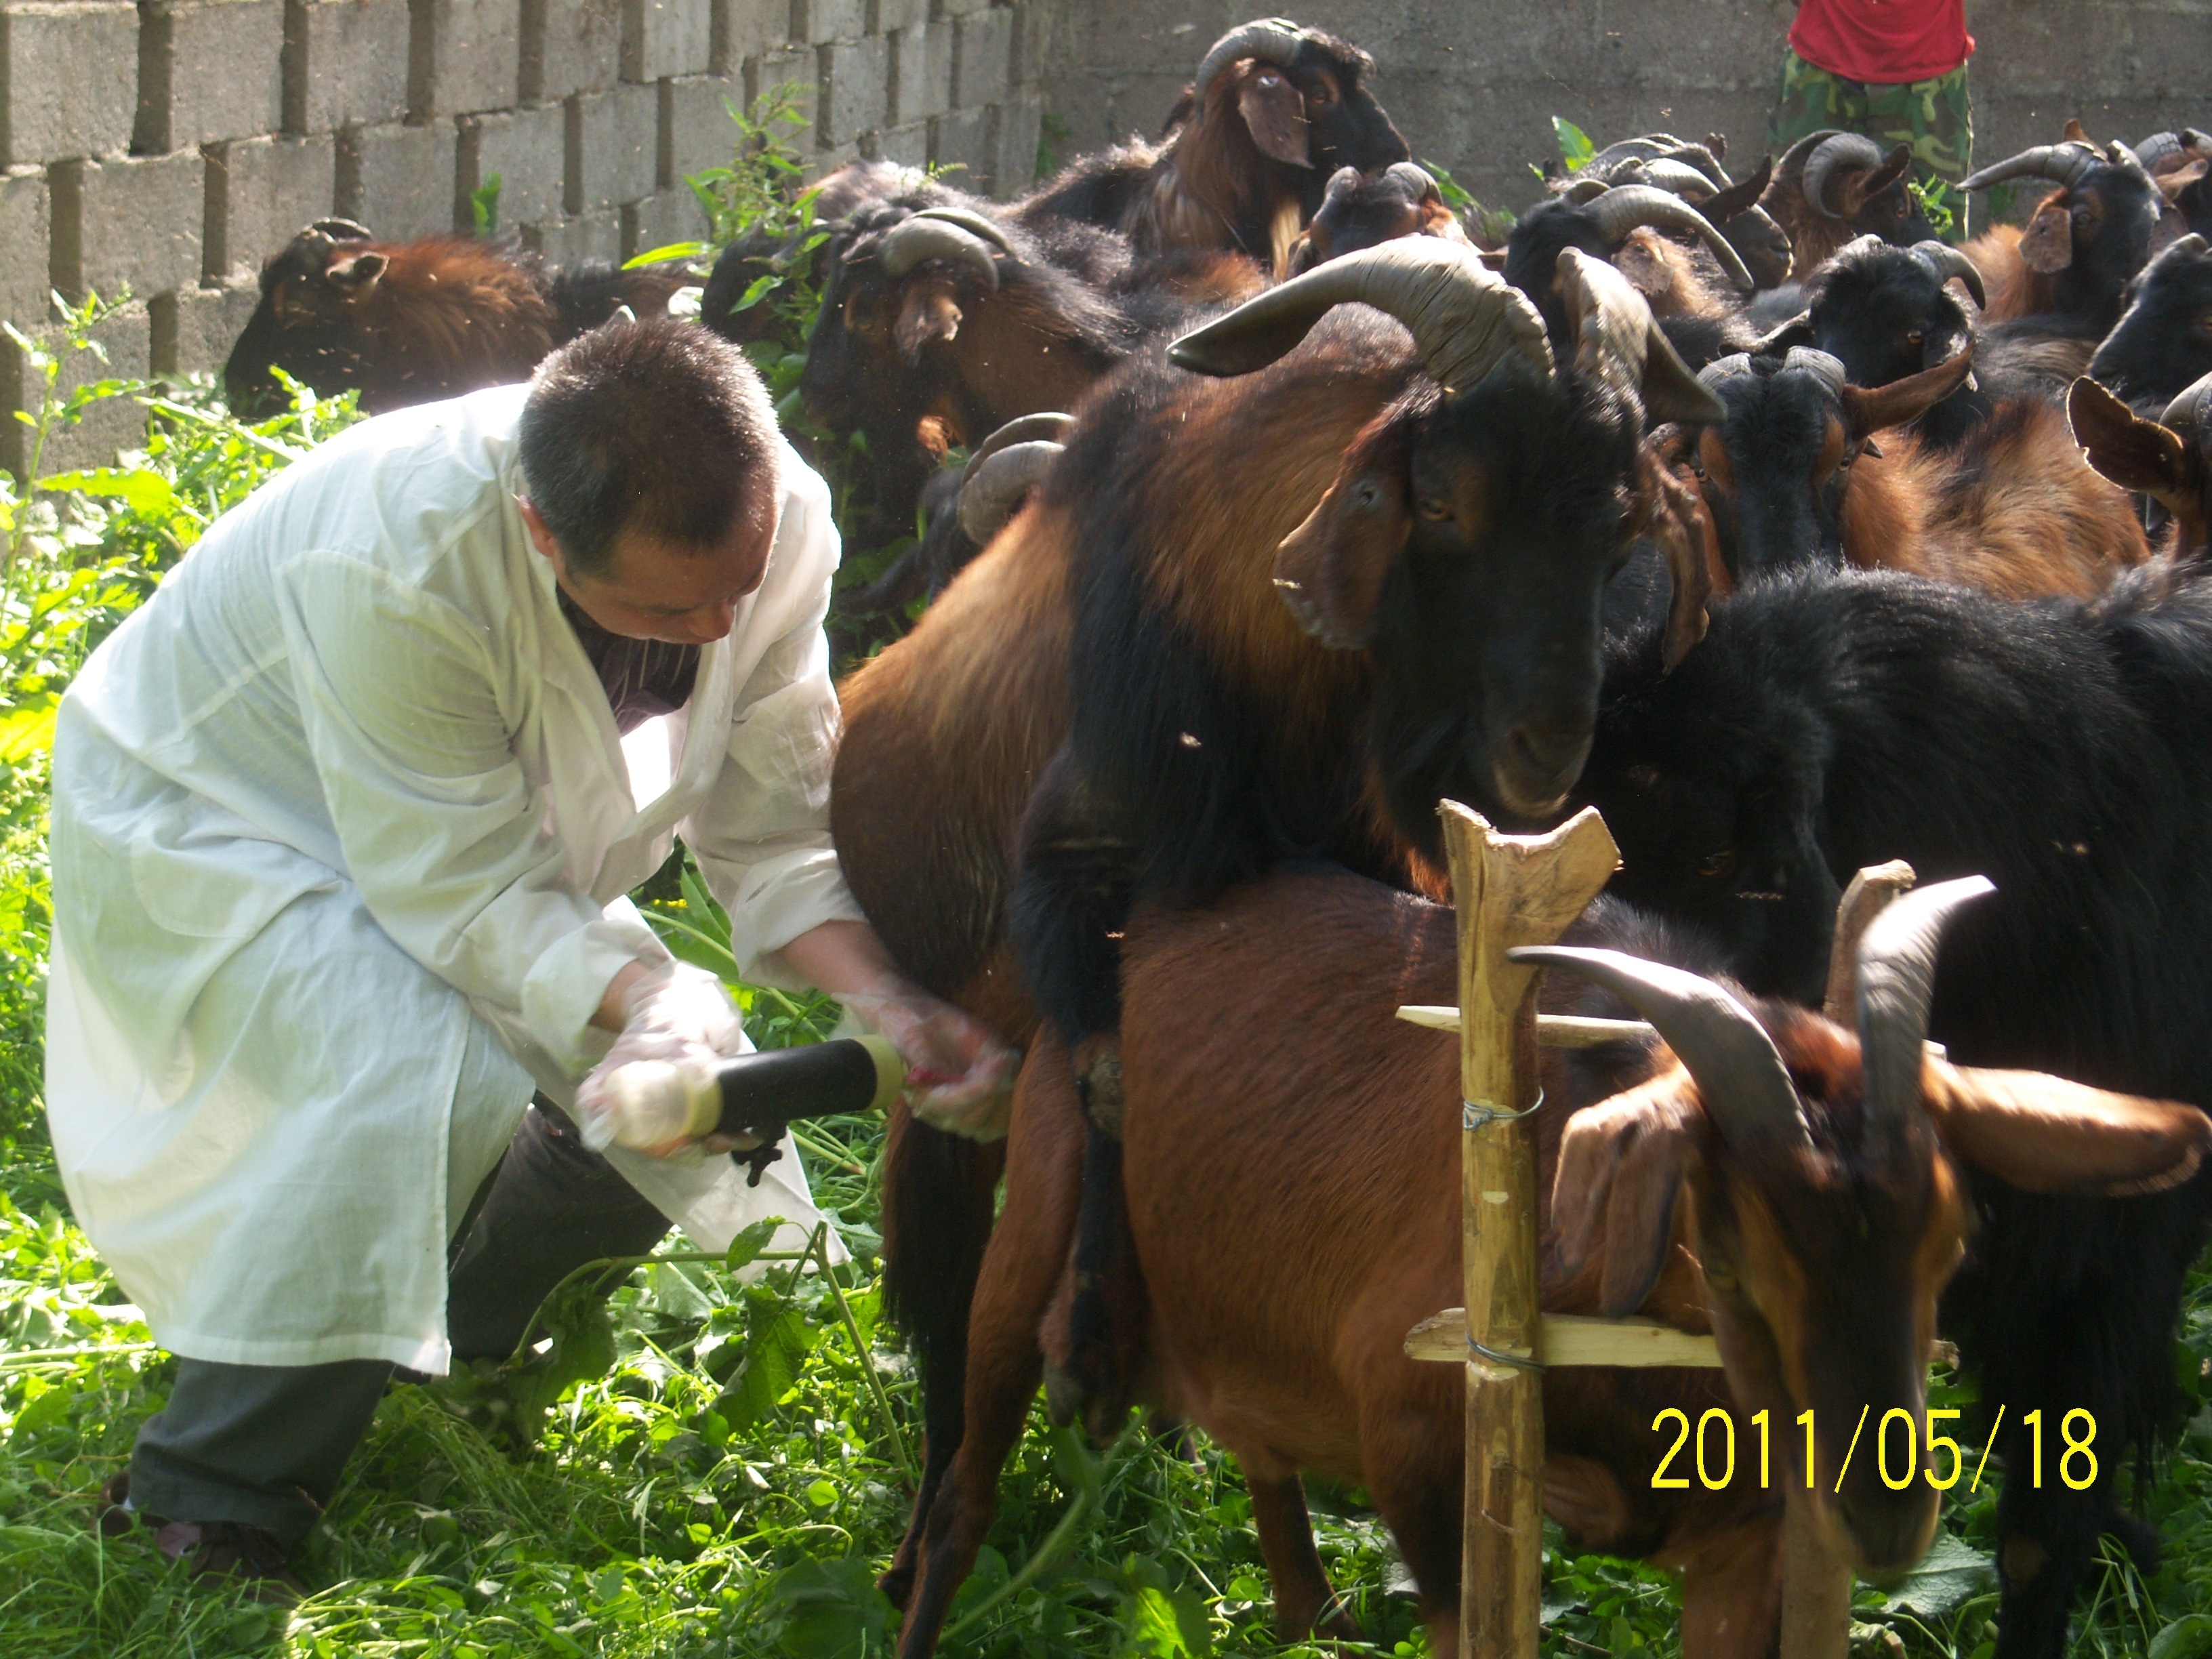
[
  {"x": 1832, "y": 187},
  {"x": 2169, "y": 459},
  {"x": 758, "y": 257},
  {"x": 1792, "y": 475},
  {"x": 2084, "y": 242},
  {"x": 1357, "y": 212},
  {"x": 1295, "y": 1208},
  {"x": 941, "y": 324},
  {"x": 1274, "y": 110},
  {"x": 405, "y": 322},
  {"x": 1462, "y": 504},
  {"x": 1693, "y": 171}
]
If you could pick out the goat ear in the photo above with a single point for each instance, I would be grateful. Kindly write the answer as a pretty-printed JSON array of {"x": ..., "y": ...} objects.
[
  {"x": 1274, "y": 110},
  {"x": 358, "y": 275},
  {"x": 2122, "y": 447},
  {"x": 1330, "y": 569},
  {"x": 1892, "y": 169},
  {"x": 1621, "y": 1168},
  {"x": 1674, "y": 515},
  {"x": 2047, "y": 243},
  {"x": 2044, "y": 1134},
  {"x": 927, "y": 312},
  {"x": 1782, "y": 336},
  {"x": 1870, "y": 409}
]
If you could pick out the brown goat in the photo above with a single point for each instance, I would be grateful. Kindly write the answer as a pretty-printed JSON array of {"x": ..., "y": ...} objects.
[
  {"x": 2169, "y": 459},
  {"x": 1795, "y": 473},
  {"x": 1293, "y": 1186},
  {"x": 405, "y": 322},
  {"x": 1832, "y": 187}
]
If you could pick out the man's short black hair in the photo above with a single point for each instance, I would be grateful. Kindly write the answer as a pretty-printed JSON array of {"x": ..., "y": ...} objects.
[{"x": 658, "y": 427}]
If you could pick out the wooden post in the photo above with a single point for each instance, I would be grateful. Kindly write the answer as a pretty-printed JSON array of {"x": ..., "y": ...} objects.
[{"x": 1510, "y": 891}]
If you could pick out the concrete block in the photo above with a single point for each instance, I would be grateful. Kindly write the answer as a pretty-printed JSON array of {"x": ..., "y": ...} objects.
[
  {"x": 26, "y": 233},
  {"x": 114, "y": 424},
  {"x": 908, "y": 145},
  {"x": 569, "y": 242},
  {"x": 195, "y": 328},
  {"x": 945, "y": 8},
  {"x": 906, "y": 77},
  {"x": 854, "y": 91},
  {"x": 1014, "y": 145},
  {"x": 396, "y": 180},
  {"x": 260, "y": 192},
  {"x": 747, "y": 30},
  {"x": 464, "y": 56},
  {"x": 569, "y": 45},
  {"x": 527, "y": 148},
  {"x": 613, "y": 147},
  {"x": 696, "y": 129},
  {"x": 983, "y": 50},
  {"x": 796, "y": 67},
  {"x": 666, "y": 37},
  {"x": 208, "y": 70},
  {"x": 345, "y": 62},
  {"x": 1026, "y": 61},
  {"x": 69, "y": 80},
  {"x": 961, "y": 142},
  {"x": 818, "y": 22},
  {"x": 670, "y": 215},
  {"x": 130, "y": 221},
  {"x": 885, "y": 15},
  {"x": 936, "y": 72}
]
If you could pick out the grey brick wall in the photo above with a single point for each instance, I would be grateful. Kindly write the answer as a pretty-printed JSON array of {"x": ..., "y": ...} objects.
[
  {"x": 1473, "y": 85},
  {"x": 172, "y": 145}
]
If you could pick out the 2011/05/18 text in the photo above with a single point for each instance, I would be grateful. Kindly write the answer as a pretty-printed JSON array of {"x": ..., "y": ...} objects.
[{"x": 2077, "y": 1463}]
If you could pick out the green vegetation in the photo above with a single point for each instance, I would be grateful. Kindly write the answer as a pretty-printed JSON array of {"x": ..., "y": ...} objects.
[{"x": 706, "y": 1464}]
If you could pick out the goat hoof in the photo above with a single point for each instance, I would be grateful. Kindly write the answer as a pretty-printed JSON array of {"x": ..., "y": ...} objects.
[
  {"x": 897, "y": 1586},
  {"x": 1064, "y": 1396}
]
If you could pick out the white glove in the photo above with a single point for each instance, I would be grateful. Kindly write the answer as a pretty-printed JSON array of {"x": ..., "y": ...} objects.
[
  {"x": 680, "y": 1016},
  {"x": 960, "y": 1077}
]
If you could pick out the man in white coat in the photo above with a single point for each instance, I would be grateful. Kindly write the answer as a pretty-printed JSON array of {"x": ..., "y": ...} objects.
[{"x": 343, "y": 819}]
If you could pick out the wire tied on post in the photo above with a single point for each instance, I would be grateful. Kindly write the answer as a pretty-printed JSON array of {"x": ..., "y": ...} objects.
[{"x": 1478, "y": 1113}]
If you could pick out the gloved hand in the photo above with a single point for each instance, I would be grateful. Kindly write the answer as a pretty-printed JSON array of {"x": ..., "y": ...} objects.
[
  {"x": 678, "y": 1014},
  {"x": 960, "y": 1077}
]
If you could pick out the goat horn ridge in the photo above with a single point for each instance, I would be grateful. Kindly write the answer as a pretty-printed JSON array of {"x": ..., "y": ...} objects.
[
  {"x": 1947, "y": 262},
  {"x": 1811, "y": 361},
  {"x": 1896, "y": 983},
  {"x": 906, "y": 244},
  {"x": 2191, "y": 412},
  {"x": 967, "y": 219},
  {"x": 1464, "y": 319},
  {"x": 997, "y": 485},
  {"x": 1413, "y": 176},
  {"x": 1853, "y": 149},
  {"x": 1622, "y": 345},
  {"x": 2067, "y": 164},
  {"x": 1740, "y": 1075},
  {"x": 1619, "y": 211},
  {"x": 1271, "y": 39}
]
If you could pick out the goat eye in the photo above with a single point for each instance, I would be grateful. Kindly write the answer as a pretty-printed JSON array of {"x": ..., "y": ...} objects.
[
  {"x": 1364, "y": 496},
  {"x": 1914, "y": 336},
  {"x": 1431, "y": 507},
  {"x": 1718, "y": 864}
]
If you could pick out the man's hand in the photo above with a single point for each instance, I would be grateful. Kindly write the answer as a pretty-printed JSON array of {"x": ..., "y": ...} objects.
[{"x": 674, "y": 1013}]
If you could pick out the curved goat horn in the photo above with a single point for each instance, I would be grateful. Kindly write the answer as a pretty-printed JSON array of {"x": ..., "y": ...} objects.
[
  {"x": 1618, "y": 342},
  {"x": 1829, "y": 369},
  {"x": 906, "y": 244},
  {"x": 1792, "y": 164},
  {"x": 1271, "y": 39},
  {"x": 994, "y": 484},
  {"x": 967, "y": 219},
  {"x": 2157, "y": 148},
  {"x": 1619, "y": 211},
  {"x": 2067, "y": 164},
  {"x": 341, "y": 230},
  {"x": 2191, "y": 412},
  {"x": 1679, "y": 177},
  {"x": 1584, "y": 188},
  {"x": 1896, "y": 981},
  {"x": 1841, "y": 149},
  {"x": 1047, "y": 426},
  {"x": 1412, "y": 176},
  {"x": 1740, "y": 1075},
  {"x": 1465, "y": 320},
  {"x": 1947, "y": 262},
  {"x": 1700, "y": 157}
]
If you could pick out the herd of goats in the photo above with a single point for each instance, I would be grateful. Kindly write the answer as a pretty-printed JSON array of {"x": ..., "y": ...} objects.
[{"x": 1793, "y": 538}]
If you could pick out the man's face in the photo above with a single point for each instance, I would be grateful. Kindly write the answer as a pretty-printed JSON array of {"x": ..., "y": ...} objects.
[{"x": 652, "y": 590}]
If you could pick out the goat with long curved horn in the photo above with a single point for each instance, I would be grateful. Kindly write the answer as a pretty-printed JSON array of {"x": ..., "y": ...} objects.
[
  {"x": 1896, "y": 983},
  {"x": 2064, "y": 164},
  {"x": 1271, "y": 39},
  {"x": 952, "y": 234},
  {"x": 1947, "y": 262},
  {"x": 1841, "y": 149},
  {"x": 1003, "y": 470},
  {"x": 1619, "y": 211},
  {"x": 1746, "y": 1088}
]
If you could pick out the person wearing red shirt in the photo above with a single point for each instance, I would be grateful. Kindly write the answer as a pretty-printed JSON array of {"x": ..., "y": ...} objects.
[{"x": 1894, "y": 70}]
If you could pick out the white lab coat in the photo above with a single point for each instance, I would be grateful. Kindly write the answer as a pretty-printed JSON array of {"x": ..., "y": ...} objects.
[{"x": 342, "y": 829}]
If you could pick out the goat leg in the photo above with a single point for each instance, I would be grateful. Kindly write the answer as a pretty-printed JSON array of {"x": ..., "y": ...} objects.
[{"x": 1305, "y": 1605}]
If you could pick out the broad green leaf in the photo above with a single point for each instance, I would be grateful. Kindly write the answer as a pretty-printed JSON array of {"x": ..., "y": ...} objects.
[
  {"x": 668, "y": 252},
  {"x": 28, "y": 729},
  {"x": 1575, "y": 147},
  {"x": 2186, "y": 1638},
  {"x": 745, "y": 1247},
  {"x": 1951, "y": 1571},
  {"x": 138, "y": 488}
]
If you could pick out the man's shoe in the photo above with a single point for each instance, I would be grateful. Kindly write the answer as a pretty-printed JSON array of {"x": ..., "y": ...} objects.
[
  {"x": 228, "y": 1551},
  {"x": 111, "y": 1514}
]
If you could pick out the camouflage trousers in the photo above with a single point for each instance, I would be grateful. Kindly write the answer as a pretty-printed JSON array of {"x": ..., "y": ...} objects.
[{"x": 1933, "y": 117}]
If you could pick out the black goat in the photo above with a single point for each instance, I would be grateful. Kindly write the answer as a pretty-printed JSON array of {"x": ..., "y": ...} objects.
[
  {"x": 1367, "y": 211},
  {"x": 2164, "y": 340},
  {"x": 2064, "y": 749},
  {"x": 1887, "y": 312},
  {"x": 1274, "y": 110},
  {"x": 2084, "y": 243}
]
